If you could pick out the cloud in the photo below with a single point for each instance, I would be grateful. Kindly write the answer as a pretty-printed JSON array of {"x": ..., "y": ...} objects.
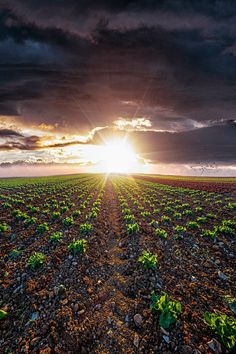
[
  {"x": 215, "y": 143},
  {"x": 8, "y": 132},
  {"x": 75, "y": 67}
]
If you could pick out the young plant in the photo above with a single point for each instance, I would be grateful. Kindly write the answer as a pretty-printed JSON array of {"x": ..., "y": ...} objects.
[
  {"x": 145, "y": 214},
  {"x": 154, "y": 223},
  {"x": 30, "y": 221},
  {"x": 42, "y": 228},
  {"x": 210, "y": 233},
  {"x": 132, "y": 228},
  {"x": 165, "y": 219},
  {"x": 179, "y": 230},
  {"x": 56, "y": 236},
  {"x": 201, "y": 220},
  {"x": 3, "y": 227},
  {"x": 68, "y": 221},
  {"x": 193, "y": 225},
  {"x": 223, "y": 326},
  {"x": 3, "y": 314},
  {"x": 76, "y": 213},
  {"x": 78, "y": 246},
  {"x": 85, "y": 229},
  {"x": 56, "y": 215},
  {"x": 14, "y": 254},
  {"x": 148, "y": 259},
  {"x": 161, "y": 233},
  {"x": 169, "y": 310},
  {"x": 129, "y": 219},
  {"x": 36, "y": 260}
]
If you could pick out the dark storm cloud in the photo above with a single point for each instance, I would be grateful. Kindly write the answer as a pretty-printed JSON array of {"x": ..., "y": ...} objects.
[
  {"x": 74, "y": 64},
  {"x": 8, "y": 132}
]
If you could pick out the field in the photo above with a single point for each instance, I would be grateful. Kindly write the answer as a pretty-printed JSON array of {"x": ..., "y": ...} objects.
[{"x": 152, "y": 271}]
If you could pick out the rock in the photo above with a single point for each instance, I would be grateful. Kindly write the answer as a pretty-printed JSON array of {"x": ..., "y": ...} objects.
[
  {"x": 98, "y": 307},
  {"x": 74, "y": 263},
  {"x": 215, "y": 346},
  {"x": 59, "y": 290},
  {"x": 136, "y": 340},
  {"x": 76, "y": 307},
  {"x": 222, "y": 275},
  {"x": 113, "y": 306},
  {"x": 34, "y": 316},
  {"x": 138, "y": 320},
  {"x": 81, "y": 312},
  {"x": 186, "y": 349},
  {"x": 193, "y": 279},
  {"x": 166, "y": 339}
]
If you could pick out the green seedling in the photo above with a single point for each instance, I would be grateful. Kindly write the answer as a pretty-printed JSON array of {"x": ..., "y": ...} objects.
[
  {"x": 154, "y": 223},
  {"x": 76, "y": 213},
  {"x": 210, "y": 233},
  {"x": 132, "y": 228},
  {"x": 77, "y": 246},
  {"x": 14, "y": 254},
  {"x": 85, "y": 229},
  {"x": 223, "y": 326},
  {"x": 129, "y": 219},
  {"x": 3, "y": 227},
  {"x": 36, "y": 260},
  {"x": 56, "y": 236},
  {"x": 3, "y": 314},
  {"x": 148, "y": 260},
  {"x": 42, "y": 228},
  {"x": 68, "y": 221},
  {"x": 165, "y": 219},
  {"x": 161, "y": 233},
  {"x": 30, "y": 221},
  {"x": 56, "y": 215},
  {"x": 193, "y": 225},
  {"x": 169, "y": 310}
]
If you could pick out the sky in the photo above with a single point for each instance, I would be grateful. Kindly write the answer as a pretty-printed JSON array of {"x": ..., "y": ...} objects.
[{"x": 86, "y": 85}]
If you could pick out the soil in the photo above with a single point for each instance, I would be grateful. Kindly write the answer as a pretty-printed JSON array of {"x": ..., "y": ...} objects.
[{"x": 105, "y": 304}]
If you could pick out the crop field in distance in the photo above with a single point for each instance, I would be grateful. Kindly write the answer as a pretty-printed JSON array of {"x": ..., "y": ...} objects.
[{"x": 95, "y": 263}]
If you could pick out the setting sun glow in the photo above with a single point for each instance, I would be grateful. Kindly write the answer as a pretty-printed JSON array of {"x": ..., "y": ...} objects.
[{"x": 116, "y": 156}]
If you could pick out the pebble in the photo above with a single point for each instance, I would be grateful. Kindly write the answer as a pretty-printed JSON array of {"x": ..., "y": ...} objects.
[
  {"x": 76, "y": 307},
  {"x": 166, "y": 339},
  {"x": 194, "y": 279},
  {"x": 81, "y": 312},
  {"x": 215, "y": 346},
  {"x": 74, "y": 263},
  {"x": 222, "y": 276},
  {"x": 34, "y": 316},
  {"x": 136, "y": 340},
  {"x": 98, "y": 307},
  {"x": 138, "y": 320}
]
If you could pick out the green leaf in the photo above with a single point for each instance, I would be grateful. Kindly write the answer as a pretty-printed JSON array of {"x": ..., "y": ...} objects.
[{"x": 3, "y": 314}]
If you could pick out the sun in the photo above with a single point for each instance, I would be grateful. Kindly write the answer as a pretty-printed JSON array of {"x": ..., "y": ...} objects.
[{"x": 116, "y": 156}]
